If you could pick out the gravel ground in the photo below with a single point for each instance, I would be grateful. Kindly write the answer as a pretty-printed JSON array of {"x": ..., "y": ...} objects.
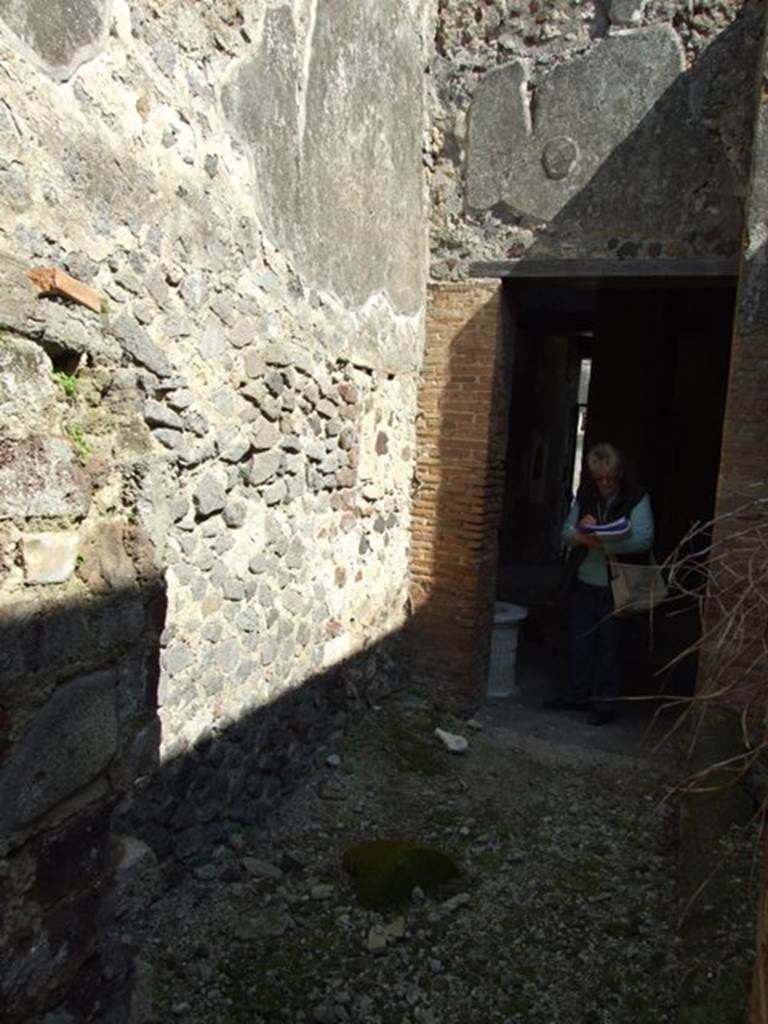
[{"x": 566, "y": 911}]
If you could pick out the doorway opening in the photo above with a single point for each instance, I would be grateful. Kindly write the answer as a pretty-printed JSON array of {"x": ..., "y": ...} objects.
[{"x": 642, "y": 363}]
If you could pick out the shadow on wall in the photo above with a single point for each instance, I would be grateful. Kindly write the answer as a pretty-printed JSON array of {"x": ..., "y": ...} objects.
[
  {"x": 78, "y": 685},
  {"x": 91, "y": 820},
  {"x": 236, "y": 772},
  {"x": 673, "y": 185}
]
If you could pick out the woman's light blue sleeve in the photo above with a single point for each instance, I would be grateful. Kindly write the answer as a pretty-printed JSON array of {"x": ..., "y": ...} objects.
[
  {"x": 568, "y": 533},
  {"x": 641, "y": 535}
]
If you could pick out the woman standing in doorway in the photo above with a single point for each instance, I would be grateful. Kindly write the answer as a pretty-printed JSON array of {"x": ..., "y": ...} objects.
[{"x": 607, "y": 494}]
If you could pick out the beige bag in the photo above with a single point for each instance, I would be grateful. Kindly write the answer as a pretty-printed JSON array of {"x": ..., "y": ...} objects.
[{"x": 636, "y": 588}]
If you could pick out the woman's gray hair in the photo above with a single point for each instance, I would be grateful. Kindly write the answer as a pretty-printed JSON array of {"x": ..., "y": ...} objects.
[{"x": 605, "y": 458}]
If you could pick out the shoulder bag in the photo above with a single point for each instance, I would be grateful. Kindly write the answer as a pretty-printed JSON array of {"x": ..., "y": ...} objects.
[{"x": 636, "y": 588}]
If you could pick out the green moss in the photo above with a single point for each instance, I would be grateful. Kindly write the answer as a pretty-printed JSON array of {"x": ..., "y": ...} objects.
[
  {"x": 489, "y": 859},
  {"x": 385, "y": 871},
  {"x": 79, "y": 443},
  {"x": 584, "y": 880},
  {"x": 67, "y": 382}
]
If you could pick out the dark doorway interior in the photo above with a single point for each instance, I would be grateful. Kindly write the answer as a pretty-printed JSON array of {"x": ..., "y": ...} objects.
[{"x": 656, "y": 355}]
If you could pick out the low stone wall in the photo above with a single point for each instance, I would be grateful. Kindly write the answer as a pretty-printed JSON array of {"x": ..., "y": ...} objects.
[{"x": 82, "y": 608}]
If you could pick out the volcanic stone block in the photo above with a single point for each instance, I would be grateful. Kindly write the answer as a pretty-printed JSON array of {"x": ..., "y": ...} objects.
[
  {"x": 137, "y": 878},
  {"x": 71, "y": 741},
  {"x": 156, "y": 414},
  {"x": 27, "y": 390},
  {"x": 40, "y": 477},
  {"x": 262, "y": 467},
  {"x": 234, "y": 513},
  {"x": 499, "y": 121},
  {"x": 49, "y": 557},
  {"x": 60, "y": 35},
  {"x": 139, "y": 346},
  {"x": 626, "y": 12},
  {"x": 210, "y": 494},
  {"x": 276, "y": 492},
  {"x": 106, "y": 564},
  {"x": 265, "y": 434}
]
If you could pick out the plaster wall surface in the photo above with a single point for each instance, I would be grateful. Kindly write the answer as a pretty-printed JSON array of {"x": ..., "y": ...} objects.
[
  {"x": 205, "y": 513},
  {"x": 590, "y": 129}
]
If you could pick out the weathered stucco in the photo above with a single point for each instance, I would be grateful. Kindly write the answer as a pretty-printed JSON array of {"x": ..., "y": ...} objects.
[
  {"x": 556, "y": 138},
  {"x": 59, "y": 35},
  {"x": 332, "y": 118},
  {"x": 588, "y": 129}
]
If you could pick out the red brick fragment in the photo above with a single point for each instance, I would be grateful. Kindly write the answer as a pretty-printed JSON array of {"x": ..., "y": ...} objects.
[{"x": 53, "y": 281}]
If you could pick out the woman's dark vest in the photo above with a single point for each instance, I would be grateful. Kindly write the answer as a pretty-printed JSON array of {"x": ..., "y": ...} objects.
[{"x": 590, "y": 503}]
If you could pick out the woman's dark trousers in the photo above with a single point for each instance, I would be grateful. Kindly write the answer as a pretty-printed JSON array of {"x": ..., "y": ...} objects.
[{"x": 597, "y": 641}]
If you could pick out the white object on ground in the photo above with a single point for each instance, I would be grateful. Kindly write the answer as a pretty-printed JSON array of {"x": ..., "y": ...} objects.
[{"x": 456, "y": 744}]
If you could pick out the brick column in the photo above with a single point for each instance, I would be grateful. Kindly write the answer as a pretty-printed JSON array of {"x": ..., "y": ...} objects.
[{"x": 462, "y": 434}]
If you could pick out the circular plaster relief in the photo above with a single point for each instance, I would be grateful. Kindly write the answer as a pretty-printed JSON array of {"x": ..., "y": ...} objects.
[{"x": 559, "y": 157}]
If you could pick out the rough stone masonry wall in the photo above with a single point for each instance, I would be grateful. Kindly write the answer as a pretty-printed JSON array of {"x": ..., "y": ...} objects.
[
  {"x": 82, "y": 606},
  {"x": 590, "y": 128},
  {"x": 231, "y": 433}
]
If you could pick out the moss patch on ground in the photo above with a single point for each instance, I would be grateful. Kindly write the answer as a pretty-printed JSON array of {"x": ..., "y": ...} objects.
[{"x": 386, "y": 871}]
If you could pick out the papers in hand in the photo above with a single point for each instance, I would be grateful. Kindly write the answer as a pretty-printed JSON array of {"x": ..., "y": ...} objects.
[{"x": 614, "y": 530}]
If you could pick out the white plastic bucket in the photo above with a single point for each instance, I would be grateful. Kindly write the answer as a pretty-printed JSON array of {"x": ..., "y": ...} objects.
[{"x": 506, "y": 619}]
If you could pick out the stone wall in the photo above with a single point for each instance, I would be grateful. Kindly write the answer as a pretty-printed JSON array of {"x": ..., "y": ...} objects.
[
  {"x": 205, "y": 504},
  {"x": 736, "y": 646},
  {"x": 590, "y": 128},
  {"x": 82, "y": 608}
]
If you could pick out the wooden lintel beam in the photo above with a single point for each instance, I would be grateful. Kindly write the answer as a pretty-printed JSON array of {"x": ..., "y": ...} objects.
[{"x": 601, "y": 269}]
